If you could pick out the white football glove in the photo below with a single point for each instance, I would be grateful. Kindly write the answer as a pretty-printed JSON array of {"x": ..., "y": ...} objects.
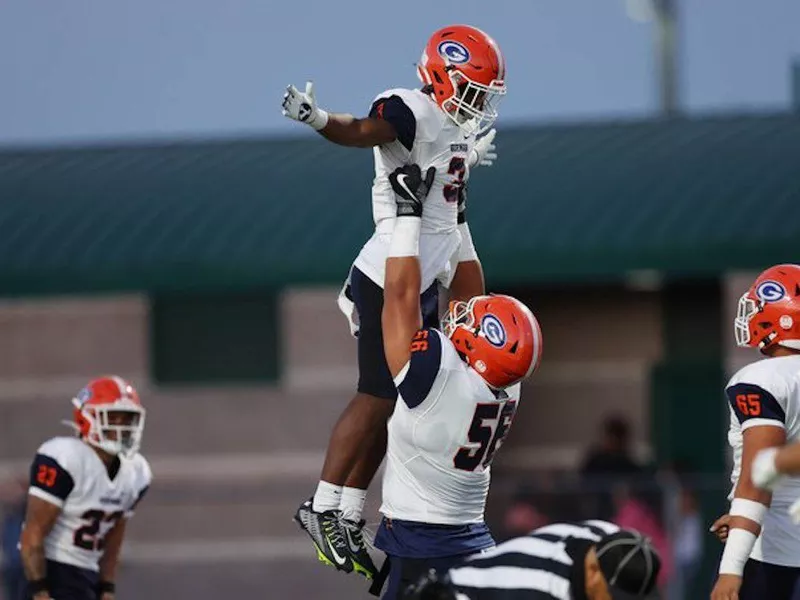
[
  {"x": 483, "y": 153},
  {"x": 763, "y": 471},
  {"x": 302, "y": 106}
]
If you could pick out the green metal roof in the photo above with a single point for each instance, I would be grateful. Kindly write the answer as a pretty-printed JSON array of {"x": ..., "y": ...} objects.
[{"x": 687, "y": 196}]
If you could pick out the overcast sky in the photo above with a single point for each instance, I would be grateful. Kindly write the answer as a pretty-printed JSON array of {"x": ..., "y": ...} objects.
[{"x": 91, "y": 69}]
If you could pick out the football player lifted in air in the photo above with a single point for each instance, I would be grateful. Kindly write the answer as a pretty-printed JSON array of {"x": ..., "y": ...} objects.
[
  {"x": 82, "y": 491},
  {"x": 762, "y": 551},
  {"x": 445, "y": 124},
  {"x": 459, "y": 389}
]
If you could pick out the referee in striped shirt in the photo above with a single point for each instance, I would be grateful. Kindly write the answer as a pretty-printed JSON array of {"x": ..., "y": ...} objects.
[{"x": 587, "y": 560}]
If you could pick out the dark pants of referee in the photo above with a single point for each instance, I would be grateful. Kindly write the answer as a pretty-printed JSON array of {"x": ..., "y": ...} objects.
[
  {"x": 66, "y": 582},
  {"x": 763, "y": 581}
]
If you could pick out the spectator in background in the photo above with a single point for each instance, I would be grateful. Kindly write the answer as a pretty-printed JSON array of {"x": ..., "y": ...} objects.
[
  {"x": 11, "y": 570},
  {"x": 522, "y": 517},
  {"x": 609, "y": 464}
]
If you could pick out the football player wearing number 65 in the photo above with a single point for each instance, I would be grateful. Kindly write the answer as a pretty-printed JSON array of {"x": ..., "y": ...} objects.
[
  {"x": 458, "y": 390},
  {"x": 762, "y": 551},
  {"x": 83, "y": 489}
]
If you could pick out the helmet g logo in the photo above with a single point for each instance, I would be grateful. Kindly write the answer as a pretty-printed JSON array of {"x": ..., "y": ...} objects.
[
  {"x": 493, "y": 330},
  {"x": 770, "y": 291},
  {"x": 454, "y": 52}
]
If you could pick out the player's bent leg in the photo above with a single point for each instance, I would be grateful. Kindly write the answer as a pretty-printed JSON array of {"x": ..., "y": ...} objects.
[
  {"x": 356, "y": 485},
  {"x": 357, "y": 447},
  {"x": 372, "y": 452},
  {"x": 360, "y": 429},
  {"x": 339, "y": 542},
  {"x": 374, "y": 402}
]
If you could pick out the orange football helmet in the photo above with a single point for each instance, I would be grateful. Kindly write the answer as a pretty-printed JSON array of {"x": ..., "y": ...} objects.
[
  {"x": 497, "y": 336},
  {"x": 109, "y": 415},
  {"x": 466, "y": 71},
  {"x": 769, "y": 312}
]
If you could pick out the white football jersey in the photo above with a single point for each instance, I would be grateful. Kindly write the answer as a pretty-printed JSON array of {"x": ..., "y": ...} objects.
[
  {"x": 767, "y": 393},
  {"x": 444, "y": 432},
  {"x": 68, "y": 472},
  {"x": 427, "y": 137}
]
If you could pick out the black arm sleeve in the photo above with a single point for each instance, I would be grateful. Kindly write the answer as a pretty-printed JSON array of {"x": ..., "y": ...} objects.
[
  {"x": 49, "y": 476},
  {"x": 750, "y": 401},
  {"x": 423, "y": 367},
  {"x": 396, "y": 112}
]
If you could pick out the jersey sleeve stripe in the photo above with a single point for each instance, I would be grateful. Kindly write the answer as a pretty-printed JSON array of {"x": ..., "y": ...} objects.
[
  {"x": 762, "y": 422},
  {"x": 40, "y": 493}
]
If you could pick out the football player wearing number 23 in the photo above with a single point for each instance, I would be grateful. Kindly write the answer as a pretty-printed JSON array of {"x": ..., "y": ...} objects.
[
  {"x": 762, "y": 551},
  {"x": 446, "y": 125},
  {"x": 83, "y": 489}
]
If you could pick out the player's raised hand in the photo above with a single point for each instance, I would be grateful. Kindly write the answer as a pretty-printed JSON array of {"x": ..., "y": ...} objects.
[
  {"x": 411, "y": 188},
  {"x": 302, "y": 106},
  {"x": 484, "y": 151}
]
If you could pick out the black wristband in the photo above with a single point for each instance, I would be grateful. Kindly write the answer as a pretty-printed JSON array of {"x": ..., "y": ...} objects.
[
  {"x": 106, "y": 587},
  {"x": 38, "y": 586}
]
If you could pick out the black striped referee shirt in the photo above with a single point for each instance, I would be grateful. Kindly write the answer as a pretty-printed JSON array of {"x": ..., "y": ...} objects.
[{"x": 533, "y": 567}]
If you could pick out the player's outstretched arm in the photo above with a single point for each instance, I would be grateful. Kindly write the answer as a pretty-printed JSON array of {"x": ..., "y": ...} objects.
[
  {"x": 40, "y": 516},
  {"x": 401, "y": 317},
  {"x": 342, "y": 129}
]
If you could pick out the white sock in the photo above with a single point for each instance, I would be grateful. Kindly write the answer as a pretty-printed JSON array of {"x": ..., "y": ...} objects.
[
  {"x": 352, "y": 504},
  {"x": 327, "y": 497}
]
